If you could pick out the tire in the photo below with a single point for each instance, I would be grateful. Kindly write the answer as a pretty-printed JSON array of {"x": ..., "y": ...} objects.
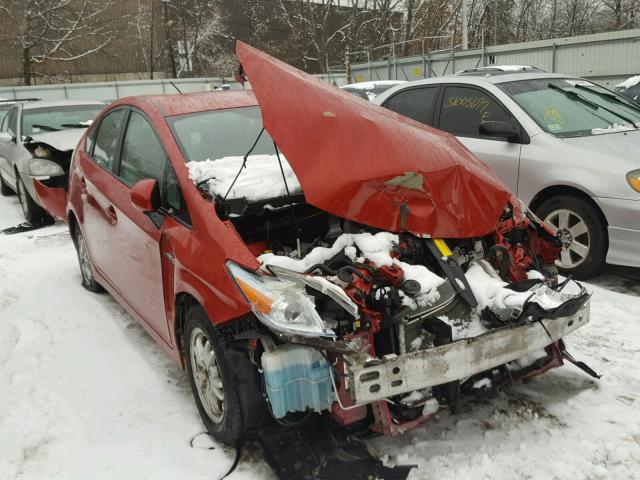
[
  {"x": 584, "y": 235},
  {"x": 84, "y": 261},
  {"x": 217, "y": 400},
  {"x": 33, "y": 212},
  {"x": 5, "y": 189}
]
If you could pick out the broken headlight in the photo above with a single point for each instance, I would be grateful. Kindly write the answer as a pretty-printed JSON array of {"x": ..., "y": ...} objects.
[{"x": 282, "y": 305}]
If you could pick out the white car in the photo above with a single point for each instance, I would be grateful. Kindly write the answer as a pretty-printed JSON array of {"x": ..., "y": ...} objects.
[
  {"x": 36, "y": 141},
  {"x": 567, "y": 147}
]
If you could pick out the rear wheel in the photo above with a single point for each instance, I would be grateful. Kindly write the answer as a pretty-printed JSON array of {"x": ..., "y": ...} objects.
[
  {"x": 582, "y": 232},
  {"x": 212, "y": 385},
  {"x": 33, "y": 212},
  {"x": 5, "y": 189},
  {"x": 86, "y": 268}
]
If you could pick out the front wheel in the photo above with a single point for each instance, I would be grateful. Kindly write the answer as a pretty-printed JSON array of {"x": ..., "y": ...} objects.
[
  {"x": 212, "y": 385},
  {"x": 33, "y": 212},
  {"x": 582, "y": 233}
]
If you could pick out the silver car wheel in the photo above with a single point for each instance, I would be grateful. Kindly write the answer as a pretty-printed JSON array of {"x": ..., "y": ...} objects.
[
  {"x": 206, "y": 374},
  {"x": 85, "y": 263},
  {"x": 574, "y": 235}
]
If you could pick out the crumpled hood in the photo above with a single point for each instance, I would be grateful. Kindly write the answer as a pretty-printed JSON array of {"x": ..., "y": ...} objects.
[
  {"x": 64, "y": 140},
  {"x": 370, "y": 165}
]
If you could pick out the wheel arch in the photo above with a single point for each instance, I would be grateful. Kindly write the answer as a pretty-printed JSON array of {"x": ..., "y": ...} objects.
[
  {"x": 558, "y": 190},
  {"x": 183, "y": 301}
]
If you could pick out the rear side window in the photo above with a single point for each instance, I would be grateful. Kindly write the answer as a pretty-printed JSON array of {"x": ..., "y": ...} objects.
[
  {"x": 142, "y": 155},
  {"x": 464, "y": 109},
  {"x": 416, "y": 103},
  {"x": 106, "y": 140},
  {"x": 10, "y": 124}
]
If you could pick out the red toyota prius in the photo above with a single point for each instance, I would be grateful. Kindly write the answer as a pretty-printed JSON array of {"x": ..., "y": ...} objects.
[{"x": 299, "y": 250}]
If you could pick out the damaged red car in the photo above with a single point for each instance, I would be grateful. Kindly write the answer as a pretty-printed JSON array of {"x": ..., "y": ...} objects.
[{"x": 299, "y": 250}]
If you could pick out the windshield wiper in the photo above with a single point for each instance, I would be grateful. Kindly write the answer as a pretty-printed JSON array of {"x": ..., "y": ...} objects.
[
  {"x": 75, "y": 125},
  {"x": 46, "y": 127},
  {"x": 613, "y": 97},
  {"x": 588, "y": 102}
]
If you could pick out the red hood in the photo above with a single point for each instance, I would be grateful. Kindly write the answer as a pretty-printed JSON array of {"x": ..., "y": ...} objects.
[{"x": 365, "y": 163}]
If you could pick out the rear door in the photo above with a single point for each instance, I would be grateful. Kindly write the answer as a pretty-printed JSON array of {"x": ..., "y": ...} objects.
[
  {"x": 10, "y": 149},
  {"x": 462, "y": 109},
  {"x": 139, "y": 250},
  {"x": 95, "y": 172}
]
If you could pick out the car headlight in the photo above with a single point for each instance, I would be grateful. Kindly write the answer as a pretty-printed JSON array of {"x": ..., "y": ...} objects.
[
  {"x": 282, "y": 305},
  {"x": 40, "y": 167},
  {"x": 633, "y": 177}
]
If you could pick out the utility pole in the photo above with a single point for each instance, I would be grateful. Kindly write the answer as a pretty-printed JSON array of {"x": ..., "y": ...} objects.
[
  {"x": 170, "y": 63},
  {"x": 465, "y": 25}
]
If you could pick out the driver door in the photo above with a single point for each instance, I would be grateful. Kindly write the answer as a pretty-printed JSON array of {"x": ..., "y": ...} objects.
[{"x": 139, "y": 250}]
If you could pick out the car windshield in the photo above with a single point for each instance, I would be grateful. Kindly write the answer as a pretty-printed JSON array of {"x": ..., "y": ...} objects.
[
  {"x": 568, "y": 107},
  {"x": 216, "y": 134},
  {"x": 54, "y": 119}
]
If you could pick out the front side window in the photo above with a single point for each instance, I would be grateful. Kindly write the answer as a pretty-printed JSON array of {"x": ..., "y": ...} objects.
[
  {"x": 568, "y": 107},
  {"x": 415, "y": 103},
  {"x": 54, "y": 119},
  {"x": 106, "y": 140},
  {"x": 465, "y": 108},
  {"x": 216, "y": 134},
  {"x": 142, "y": 155}
]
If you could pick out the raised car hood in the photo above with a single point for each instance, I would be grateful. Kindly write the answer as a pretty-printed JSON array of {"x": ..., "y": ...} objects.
[
  {"x": 370, "y": 165},
  {"x": 64, "y": 140}
]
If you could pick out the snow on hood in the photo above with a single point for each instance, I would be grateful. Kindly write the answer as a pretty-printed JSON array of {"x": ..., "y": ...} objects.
[
  {"x": 370, "y": 165},
  {"x": 261, "y": 179},
  {"x": 629, "y": 82},
  {"x": 615, "y": 128},
  {"x": 64, "y": 140},
  {"x": 359, "y": 247}
]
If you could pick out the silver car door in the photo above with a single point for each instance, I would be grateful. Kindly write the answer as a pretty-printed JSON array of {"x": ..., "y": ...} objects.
[{"x": 463, "y": 109}]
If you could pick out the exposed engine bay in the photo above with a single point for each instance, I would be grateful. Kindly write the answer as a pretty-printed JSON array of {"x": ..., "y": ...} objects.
[{"x": 369, "y": 324}]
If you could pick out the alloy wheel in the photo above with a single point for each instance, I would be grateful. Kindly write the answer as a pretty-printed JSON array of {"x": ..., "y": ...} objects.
[
  {"x": 206, "y": 374},
  {"x": 574, "y": 235}
]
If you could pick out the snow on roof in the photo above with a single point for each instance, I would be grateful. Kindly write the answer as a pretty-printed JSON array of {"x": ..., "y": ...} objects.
[
  {"x": 629, "y": 82},
  {"x": 372, "y": 85},
  {"x": 261, "y": 179}
]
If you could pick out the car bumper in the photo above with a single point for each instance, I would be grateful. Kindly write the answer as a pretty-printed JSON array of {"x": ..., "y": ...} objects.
[
  {"x": 623, "y": 217},
  {"x": 458, "y": 360},
  {"x": 52, "y": 199}
]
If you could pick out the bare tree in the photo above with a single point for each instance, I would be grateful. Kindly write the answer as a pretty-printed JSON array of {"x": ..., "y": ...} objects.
[
  {"x": 143, "y": 27},
  {"x": 57, "y": 30}
]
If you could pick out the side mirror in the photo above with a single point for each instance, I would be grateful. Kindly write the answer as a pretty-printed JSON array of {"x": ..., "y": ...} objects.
[
  {"x": 500, "y": 130},
  {"x": 145, "y": 195},
  {"x": 6, "y": 137}
]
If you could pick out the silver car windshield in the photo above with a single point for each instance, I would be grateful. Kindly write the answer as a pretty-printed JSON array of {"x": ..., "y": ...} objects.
[
  {"x": 215, "y": 134},
  {"x": 54, "y": 119},
  {"x": 568, "y": 107}
]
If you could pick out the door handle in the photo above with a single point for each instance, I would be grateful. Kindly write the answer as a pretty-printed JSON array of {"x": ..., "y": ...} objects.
[{"x": 112, "y": 217}]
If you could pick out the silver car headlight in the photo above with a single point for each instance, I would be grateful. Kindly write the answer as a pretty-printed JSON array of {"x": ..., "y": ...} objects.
[
  {"x": 40, "y": 167},
  {"x": 282, "y": 305}
]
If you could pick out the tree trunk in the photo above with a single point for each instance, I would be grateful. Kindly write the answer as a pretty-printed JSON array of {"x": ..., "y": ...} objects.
[{"x": 26, "y": 66}]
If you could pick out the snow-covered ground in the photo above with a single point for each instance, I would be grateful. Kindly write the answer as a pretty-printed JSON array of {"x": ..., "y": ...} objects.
[{"x": 86, "y": 394}]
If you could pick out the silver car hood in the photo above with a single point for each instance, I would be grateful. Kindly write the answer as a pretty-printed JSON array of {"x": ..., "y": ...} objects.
[
  {"x": 623, "y": 146},
  {"x": 64, "y": 140}
]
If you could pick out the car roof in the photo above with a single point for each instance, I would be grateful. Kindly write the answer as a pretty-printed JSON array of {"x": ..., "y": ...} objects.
[
  {"x": 59, "y": 103},
  {"x": 180, "y": 104},
  {"x": 489, "y": 78}
]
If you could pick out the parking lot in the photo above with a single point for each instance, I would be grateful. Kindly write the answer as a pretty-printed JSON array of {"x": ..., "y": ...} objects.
[{"x": 87, "y": 394}]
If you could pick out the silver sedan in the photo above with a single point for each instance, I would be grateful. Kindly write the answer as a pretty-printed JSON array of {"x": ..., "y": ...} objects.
[
  {"x": 36, "y": 142},
  {"x": 567, "y": 147}
]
